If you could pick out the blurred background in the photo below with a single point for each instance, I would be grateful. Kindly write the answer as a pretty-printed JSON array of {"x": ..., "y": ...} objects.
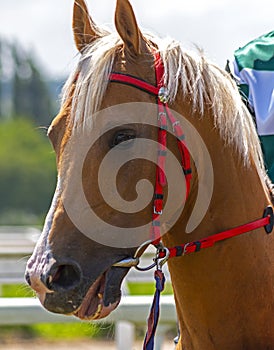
[{"x": 36, "y": 55}]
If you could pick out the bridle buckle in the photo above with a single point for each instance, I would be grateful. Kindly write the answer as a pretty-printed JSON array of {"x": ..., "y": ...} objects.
[
  {"x": 157, "y": 212},
  {"x": 175, "y": 124}
]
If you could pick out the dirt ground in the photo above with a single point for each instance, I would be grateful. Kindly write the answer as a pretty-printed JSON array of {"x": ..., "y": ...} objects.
[{"x": 73, "y": 345}]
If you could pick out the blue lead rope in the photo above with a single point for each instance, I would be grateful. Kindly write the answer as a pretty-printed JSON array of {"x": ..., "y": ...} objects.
[{"x": 154, "y": 311}]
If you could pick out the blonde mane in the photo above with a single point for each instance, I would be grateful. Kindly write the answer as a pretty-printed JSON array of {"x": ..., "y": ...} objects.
[{"x": 210, "y": 88}]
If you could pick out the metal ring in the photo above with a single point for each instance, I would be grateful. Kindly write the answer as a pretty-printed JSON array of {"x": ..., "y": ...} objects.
[
  {"x": 145, "y": 268},
  {"x": 145, "y": 244},
  {"x": 136, "y": 255},
  {"x": 185, "y": 249},
  {"x": 161, "y": 261},
  {"x": 158, "y": 262}
]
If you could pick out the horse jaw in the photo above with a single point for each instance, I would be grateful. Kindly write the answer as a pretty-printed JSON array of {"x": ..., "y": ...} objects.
[{"x": 96, "y": 303}]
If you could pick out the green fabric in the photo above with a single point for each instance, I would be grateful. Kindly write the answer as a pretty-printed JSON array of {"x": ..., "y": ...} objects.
[
  {"x": 254, "y": 65},
  {"x": 267, "y": 143},
  {"x": 257, "y": 54},
  {"x": 244, "y": 90}
]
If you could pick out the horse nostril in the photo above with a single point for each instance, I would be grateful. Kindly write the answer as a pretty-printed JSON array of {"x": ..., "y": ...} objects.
[{"x": 62, "y": 277}]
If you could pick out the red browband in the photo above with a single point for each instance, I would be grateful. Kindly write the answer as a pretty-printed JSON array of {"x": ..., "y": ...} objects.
[{"x": 128, "y": 79}]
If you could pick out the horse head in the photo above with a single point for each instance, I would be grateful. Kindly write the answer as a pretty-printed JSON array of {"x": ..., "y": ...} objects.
[
  {"x": 120, "y": 187},
  {"x": 73, "y": 271}
]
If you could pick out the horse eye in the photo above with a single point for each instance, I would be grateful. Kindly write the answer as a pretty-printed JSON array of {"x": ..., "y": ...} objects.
[{"x": 123, "y": 138}]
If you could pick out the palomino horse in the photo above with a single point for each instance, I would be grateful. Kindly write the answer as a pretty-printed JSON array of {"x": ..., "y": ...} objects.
[{"x": 225, "y": 294}]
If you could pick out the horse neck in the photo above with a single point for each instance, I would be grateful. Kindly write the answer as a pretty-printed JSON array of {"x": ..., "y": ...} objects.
[
  {"x": 239, "y": 193},
  {"x": 206, "y": 282}
]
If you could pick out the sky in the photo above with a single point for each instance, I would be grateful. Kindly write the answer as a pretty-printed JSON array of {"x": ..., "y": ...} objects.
[{"x": 217, "y": 26}]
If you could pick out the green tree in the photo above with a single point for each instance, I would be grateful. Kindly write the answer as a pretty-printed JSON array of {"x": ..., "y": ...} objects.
[
  {"x": 1, "y": 75},
  {"x": 24, "y": 89},
  {"x": 31, "y": 96},
  {"x": 27, "y": 169}
]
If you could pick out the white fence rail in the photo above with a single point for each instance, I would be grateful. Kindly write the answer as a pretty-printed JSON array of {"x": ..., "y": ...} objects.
[{"x": 16, "y": 245}]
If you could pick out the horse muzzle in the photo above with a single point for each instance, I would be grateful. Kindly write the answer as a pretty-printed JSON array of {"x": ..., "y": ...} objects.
[
  {"x": 55, "y": 284},
  {"x": 62, "y": 288}
]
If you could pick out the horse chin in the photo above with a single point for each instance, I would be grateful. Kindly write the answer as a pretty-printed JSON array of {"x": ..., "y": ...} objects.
[{"x": 93, "y": 306}]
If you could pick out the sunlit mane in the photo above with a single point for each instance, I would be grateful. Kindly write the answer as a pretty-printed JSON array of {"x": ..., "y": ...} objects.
[{"x": 209, "y": 86}]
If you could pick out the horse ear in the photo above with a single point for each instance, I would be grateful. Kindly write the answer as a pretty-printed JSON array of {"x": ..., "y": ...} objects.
[
  {"x": 84, "y": 29},
  {"x": 127, "y": 27}
]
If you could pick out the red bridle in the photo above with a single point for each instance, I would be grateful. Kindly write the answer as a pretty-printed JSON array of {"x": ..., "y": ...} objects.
[{"x": 165, "y": 115}]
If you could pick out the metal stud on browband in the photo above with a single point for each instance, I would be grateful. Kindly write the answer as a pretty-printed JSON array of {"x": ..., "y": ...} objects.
[{"x": 163, "y": 94}]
